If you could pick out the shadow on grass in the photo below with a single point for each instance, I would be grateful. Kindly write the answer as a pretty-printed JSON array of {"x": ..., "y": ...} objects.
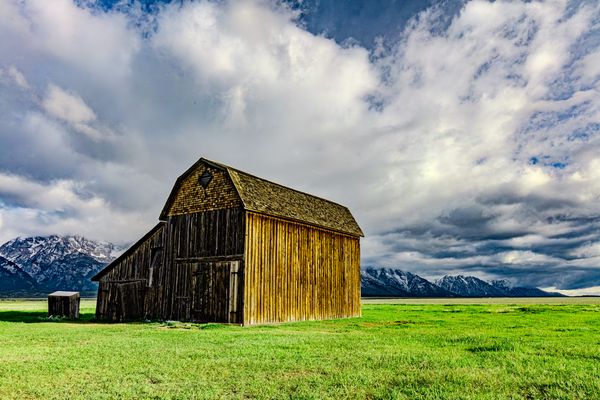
[{"x": 42, "y": 316}]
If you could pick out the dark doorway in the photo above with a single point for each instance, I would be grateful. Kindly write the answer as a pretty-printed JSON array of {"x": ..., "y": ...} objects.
[{"x": 131, "y": 300}]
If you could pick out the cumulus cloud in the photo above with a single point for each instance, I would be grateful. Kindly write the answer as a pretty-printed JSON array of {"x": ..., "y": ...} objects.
[{"x": 467, "y": 143}]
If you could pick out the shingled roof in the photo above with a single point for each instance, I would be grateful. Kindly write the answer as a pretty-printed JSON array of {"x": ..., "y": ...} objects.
[{"x": 266, "y": 197}]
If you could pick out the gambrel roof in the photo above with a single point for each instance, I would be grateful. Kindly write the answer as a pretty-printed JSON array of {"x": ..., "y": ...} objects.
[{"x": 266, "y": 197}]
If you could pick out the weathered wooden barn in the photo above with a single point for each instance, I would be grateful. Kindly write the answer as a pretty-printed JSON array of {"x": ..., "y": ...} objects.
[{"x": 232, "y": 247}]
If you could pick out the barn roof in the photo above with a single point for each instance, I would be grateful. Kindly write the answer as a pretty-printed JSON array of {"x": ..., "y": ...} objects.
[{"x": 266, "y": 197}]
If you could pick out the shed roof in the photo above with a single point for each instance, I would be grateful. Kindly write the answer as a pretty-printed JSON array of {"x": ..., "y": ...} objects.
[
  {"x": 266, "y": 197},
  {"x": 61, "y": 293}
]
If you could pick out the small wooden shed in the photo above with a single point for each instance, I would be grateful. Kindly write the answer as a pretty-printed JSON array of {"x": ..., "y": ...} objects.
[
  {"x": 232, "y": 247},
  {"x": 64, "y": 304}
]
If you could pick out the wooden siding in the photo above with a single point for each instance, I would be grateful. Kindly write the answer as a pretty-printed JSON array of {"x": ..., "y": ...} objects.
[
  {"x": 207, "y": 291},
  {"x": 124, "y": 291},
  {"x": 297, "y": 272},
  {"x": 156, "y": 279},
  {"x": 192, "y": 198},
  {"x": 64, "y": 305},
  {"x": 234, "y": 266},
  {"x": 216, "y": 235},
  {"x": 206, "y": 234}
]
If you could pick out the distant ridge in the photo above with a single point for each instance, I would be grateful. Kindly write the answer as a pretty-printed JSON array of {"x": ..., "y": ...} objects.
[
  {"x": 470, "y": 286},
  {"x": 390, "y": 282}
]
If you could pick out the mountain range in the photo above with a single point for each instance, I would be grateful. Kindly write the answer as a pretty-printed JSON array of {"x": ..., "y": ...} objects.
[
  {"x": 389, "y": 282},
  {"x": 13, "y": 279},
  {"x": 41, "y": 264}
]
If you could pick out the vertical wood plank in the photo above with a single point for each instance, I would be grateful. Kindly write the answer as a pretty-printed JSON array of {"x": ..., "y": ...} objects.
[{"x": 299, "y": 272}]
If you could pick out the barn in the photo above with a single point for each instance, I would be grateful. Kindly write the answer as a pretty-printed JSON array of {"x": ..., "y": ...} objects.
[{"x": 232, "y": 247}]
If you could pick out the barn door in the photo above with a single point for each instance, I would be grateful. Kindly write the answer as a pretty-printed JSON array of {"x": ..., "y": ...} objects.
[
  {"x": 131, "y": 300},
  {"x": 183, "y": 290},
  {"x": 216, "y": 291}
]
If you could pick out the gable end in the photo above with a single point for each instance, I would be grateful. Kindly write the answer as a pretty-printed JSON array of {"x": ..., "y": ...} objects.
[{"x": 203, "y": 187}]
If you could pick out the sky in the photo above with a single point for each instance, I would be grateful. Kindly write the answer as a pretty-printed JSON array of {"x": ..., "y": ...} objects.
[{"x": 464, "y": 136}]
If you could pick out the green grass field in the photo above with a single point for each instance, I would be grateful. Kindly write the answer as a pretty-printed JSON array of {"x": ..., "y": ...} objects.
[{"x": 506, "y": 350}]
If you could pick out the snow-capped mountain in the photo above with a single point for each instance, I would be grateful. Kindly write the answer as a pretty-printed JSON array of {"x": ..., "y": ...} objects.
[
  {"x": 72, "y": 272},
  {"x": 389, "y": 282},
  {"x": 12, "y": 278},
  {"x": 34, "y": 253},
  {"x": 469, "y": 286},
  {"x": 397, "y": 283},
  {"x": 60, "y": 262}
]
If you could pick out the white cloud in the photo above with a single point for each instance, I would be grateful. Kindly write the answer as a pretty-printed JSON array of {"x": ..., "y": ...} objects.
[
  {"x": 271, "y": 78},
  {"x": 588, "y": 68},
  {"x": 588, "y": 250},
  {"x": 526, "y": 258},
  {"x": 459, "y": 100},
  {"x": 67, "y": 106},
  {"x": 94, "y": 42},
  {"x": 72, "y": 109}
]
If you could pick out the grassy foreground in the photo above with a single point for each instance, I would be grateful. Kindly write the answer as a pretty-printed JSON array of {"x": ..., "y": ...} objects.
[{"x": 395, "y": 351}]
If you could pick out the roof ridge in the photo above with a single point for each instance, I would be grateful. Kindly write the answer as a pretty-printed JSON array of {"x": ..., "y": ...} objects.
[{"x": 274, "y": 183}]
